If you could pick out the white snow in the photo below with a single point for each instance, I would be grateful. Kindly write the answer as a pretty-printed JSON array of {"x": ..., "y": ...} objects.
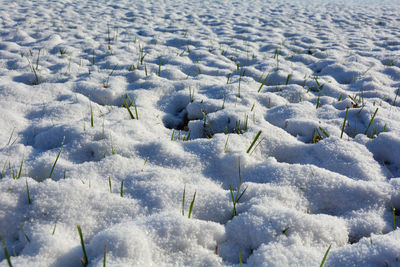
[{"x": 324, "y": 171}]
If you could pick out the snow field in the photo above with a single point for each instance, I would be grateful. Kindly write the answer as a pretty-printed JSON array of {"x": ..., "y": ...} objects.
[{"x": 319, "y": 80}]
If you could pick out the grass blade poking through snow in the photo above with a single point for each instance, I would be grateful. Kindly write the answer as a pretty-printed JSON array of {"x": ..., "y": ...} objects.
[
  {"x": 237, "y": 197},
  {"x": 191, "y": 205},
  {"x": 134, "y": 104},
  {"x": 394, "y": 217},
  {"x": 58, "y": 155},
  {"x": 265, "y": 80},
  {"x": 27, "y": 192},
  {"x": 127, "y": 107},
  {"x": 105, "y": 255},
  {"x": 122, "y": 189},
  {"x": 325, "y": 256},
  {"x": 84, "y": 260},
  {"x": 344, "y": 123},
  {"x": 91, "y": 116},
  {"x": 254, "y": 141},
  {"x": 20, "y": 168},
  {"x": 6, "y": 255},
  {"x": 371, "y": 121},
  {"x": 183, "y": 201}
]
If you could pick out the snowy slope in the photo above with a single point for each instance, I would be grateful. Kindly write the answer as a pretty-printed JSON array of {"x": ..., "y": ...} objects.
[{"x": 273, "y": 125}]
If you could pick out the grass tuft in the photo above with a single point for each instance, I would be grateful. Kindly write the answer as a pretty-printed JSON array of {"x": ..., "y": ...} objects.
[
  {"x": 238, "y": 196},
  {"x": 127, "y": 107},
  {"x": 371, "y": 122}
]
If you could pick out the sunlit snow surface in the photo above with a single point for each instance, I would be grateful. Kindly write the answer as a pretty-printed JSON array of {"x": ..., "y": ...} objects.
[{"x": 198, "y": 68}]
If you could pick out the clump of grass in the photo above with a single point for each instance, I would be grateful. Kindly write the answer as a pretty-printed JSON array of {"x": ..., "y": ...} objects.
[
  {"x": 318, "y": 136},
  {"x": 128, "y": 108},
  {"x": 132, "y": 67},
  {"x": 191, "y": 203},
  {"x": 106, "y": 84},
  {"x": 62, "y": 51},
  {"x": 84, "y": 260},
  {"x": 371, "y": 122},
  {"x": 34, "y": 71},
  {"x": 191, "y": 95},
  {"x": 142, "y": 54},
  {"x": 55, "y": 162},
  {"x": 238, "y": 195}
]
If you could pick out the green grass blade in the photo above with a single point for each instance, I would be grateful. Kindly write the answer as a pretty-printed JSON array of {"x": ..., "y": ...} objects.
[
  {"x": 288, "y": 79},
  {"x": 127, "y": 107},
  {"x": 323, "y": 131},
  {"x": 159, "y": 67},
  {"x": 58, "y": 155},
  {"x": 254, "y": 141},
  {"x": 91, "y": 115},
  {"x": 183, "y": 201},
  {"x": 325, "y": 256},
  {"x": 122, "y": 189},
  {"x": 27, "y": 192},
  {"x": 20, "y": 169},
  {"x": 105, "y": 255},
  {"x": 6, "y": 255},
  {"x": 109, "y": 183},
  {"x": 191, "y": 205},
  {"x": 265, "y": 80},
  {"x": 372, "y": 119},
  {"x": 240, "y": 258},
  {"x": 344, "y": 123},
  {"x": 84, "y": 260},
  {"x": 54, "y": 228}
]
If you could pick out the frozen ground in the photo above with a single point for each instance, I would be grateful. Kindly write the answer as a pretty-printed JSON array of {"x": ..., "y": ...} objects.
[{"x": 323, "y": 172}]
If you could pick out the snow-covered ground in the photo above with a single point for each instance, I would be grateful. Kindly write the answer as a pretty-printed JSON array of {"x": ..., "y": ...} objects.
[{"x": 273, "y": 125}]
